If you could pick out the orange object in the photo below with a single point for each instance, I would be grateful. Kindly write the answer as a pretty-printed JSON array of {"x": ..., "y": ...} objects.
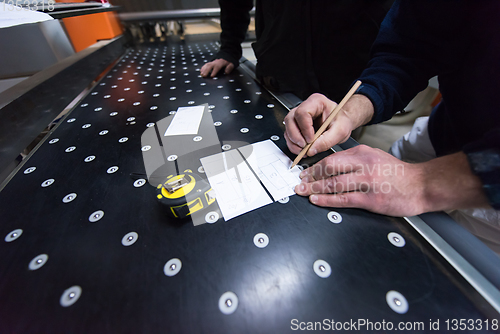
[
  {"x": 436, "y": 100},
  {"x": 86, "y": 30}
]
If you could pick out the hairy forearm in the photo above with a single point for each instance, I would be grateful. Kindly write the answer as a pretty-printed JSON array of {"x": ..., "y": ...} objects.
[
  {"x": 359, "y": 109},
  {"x": 448, "y": 183}
]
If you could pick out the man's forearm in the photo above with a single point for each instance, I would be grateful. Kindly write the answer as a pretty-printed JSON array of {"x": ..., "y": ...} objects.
[
  {"x": 359, "y": 109},
  {"x": 448, "y": 183}
]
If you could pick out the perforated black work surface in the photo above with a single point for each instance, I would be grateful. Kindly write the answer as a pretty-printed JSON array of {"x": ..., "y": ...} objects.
[{"x": 115, "y": 288}]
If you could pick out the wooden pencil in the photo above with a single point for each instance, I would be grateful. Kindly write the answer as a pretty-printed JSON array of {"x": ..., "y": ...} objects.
[{"x": 327, "y": 122}]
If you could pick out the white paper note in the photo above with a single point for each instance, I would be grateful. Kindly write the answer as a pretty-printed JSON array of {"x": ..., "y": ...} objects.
[
  {"x": 186, "y": 121},
  {"x": 273, "y": 168},
  {"x": 237, "y": 188}
]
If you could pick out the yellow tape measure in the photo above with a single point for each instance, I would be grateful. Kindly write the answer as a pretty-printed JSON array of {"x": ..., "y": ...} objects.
[{"x": 184, "y": 194}]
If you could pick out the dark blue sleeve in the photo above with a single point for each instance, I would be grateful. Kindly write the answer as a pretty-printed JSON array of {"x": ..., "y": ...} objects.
[
  {"x": 484, "y": 160},
  {"x": 416, "y": 42},
  {"x": 420, "y": 39},
  {"x": 235, "y": 18}
]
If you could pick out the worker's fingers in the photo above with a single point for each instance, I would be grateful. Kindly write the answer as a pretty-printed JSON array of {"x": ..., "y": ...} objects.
[
  {"x": 353, "y": 199},
  {"x": 348, "y": 161},
  {"x": 229, "y": 68},
  {"x": 367, "y": 178},
  {"x": 337, "y": 132},
  {"x": 213, "y": 67},
  {"x": 302, "y": 128},
  {"x": 299, "y": 122},
  {"x": 294, "y": 148},
  {"x": 217, "y": 67},
  {"x": 220, "y": 64},
  {"x": 206, "y": 69},
  {"x": 317, "y": 106},
  {"x": 335, "y": 184},
  {"x": 295, "y": 140}
]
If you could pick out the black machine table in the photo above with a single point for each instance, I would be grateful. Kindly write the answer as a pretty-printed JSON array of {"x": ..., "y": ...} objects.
[{"x": 87, "y": 248}]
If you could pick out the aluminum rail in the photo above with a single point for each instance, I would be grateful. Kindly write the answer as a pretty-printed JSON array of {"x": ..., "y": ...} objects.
[
  {"x": 28, "y": 107},
  {"x": 166, "y": 15}
]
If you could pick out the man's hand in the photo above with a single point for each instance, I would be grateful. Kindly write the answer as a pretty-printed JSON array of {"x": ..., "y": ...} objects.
[
  {"x": 302, "y": 122},
  {"x": 371, "y": 179},
  {"x": 215, "y": 66}
]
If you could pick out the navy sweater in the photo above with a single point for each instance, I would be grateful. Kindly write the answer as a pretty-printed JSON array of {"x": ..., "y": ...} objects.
[{"x": 459, "y": 41}]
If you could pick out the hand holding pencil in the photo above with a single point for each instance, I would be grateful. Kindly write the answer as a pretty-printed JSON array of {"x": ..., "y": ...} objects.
[{"x": 353, "y": 111}]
